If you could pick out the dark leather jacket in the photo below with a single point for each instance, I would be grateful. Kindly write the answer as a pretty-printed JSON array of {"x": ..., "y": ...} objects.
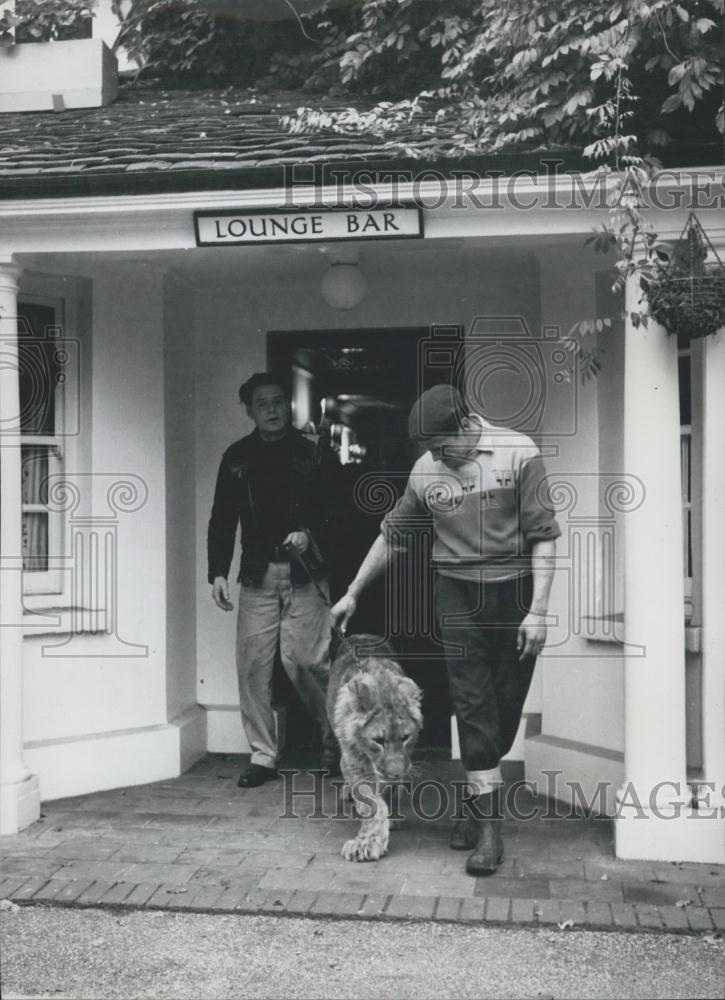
[{"x": 235, "y": 502}]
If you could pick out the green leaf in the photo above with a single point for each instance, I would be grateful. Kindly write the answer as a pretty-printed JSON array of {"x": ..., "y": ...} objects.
[
  {"x": 673, "y": 102},
  {"x": 703, "y": 25},
  {"x": 688, "y": 96},
  {"x": 658, "y": 137}
]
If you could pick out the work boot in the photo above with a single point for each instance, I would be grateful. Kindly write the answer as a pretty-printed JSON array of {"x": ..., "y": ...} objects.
[
  {"x": 465, "y": 834},
  {"x": 488, "y": 851}
]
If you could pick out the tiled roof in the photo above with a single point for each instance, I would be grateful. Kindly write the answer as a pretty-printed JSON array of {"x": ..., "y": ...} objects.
[{"x": 152, "y": 139}]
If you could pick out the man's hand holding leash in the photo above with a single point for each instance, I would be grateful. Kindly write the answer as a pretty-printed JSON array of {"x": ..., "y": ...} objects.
[
  {"x": 343, "y": 611},
  {"x": 297, "y": 541}
]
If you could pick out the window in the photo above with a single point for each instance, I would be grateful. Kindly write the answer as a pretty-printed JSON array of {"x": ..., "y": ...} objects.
[
  {"x": 609, "y": 587},
  {"x": 42, "y": 360},
  {"x": 690, "y": 373}
]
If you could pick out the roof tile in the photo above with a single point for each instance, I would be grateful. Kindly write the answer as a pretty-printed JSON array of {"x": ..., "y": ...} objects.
[{"x": 149, "y": 165}]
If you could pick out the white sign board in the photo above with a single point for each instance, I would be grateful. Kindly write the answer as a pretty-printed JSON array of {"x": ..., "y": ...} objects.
[{"x": 234, "y": 228}]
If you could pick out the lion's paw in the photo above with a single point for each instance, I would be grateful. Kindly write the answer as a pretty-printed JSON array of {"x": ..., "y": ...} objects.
[{"x": 363, "y": 850}]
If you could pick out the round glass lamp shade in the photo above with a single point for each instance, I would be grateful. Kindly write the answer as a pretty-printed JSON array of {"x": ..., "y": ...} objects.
[{"x": 343, "y": 286}]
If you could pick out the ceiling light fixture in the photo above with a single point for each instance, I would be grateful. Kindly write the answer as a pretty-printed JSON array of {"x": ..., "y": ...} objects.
[{"x": 343, "y": 284}]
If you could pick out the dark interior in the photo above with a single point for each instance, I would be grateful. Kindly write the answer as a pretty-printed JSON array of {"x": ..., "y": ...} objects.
[{"x": 359, "y": 386}]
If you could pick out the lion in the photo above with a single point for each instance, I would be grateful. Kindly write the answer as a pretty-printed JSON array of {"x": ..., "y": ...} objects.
[{"x": 374, "y": 711}]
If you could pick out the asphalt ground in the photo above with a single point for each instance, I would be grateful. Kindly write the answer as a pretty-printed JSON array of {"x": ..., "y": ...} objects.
[{"x": 99, "y": 954}]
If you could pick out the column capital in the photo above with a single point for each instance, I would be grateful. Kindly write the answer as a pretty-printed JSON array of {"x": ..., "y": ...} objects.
[{"x": 10, "y": 273}]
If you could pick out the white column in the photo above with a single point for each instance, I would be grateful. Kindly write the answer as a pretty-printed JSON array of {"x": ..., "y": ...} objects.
[
  {"x": 19, "y": 793},
  {"x": 713, "y": 567},
  {"x": 654, "y": 573},
  {"x": 654, "y": 682},
  {"x": 654, "y": 819}
]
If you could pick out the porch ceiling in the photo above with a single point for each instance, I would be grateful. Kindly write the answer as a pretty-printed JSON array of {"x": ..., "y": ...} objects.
[{"x": 206, "y": 266}]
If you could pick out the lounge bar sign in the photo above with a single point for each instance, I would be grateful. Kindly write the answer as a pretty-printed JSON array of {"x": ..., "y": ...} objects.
[{"x": 234, "y": 228}]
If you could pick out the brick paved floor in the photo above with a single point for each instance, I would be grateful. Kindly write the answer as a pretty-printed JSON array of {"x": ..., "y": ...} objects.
[{"x": 199, "y": 843}]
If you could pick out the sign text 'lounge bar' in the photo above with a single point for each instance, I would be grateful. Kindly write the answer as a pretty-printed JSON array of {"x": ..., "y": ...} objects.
[{"x": 234, "y": 228}]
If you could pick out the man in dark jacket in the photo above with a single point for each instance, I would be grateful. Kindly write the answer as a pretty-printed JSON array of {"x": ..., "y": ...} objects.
[{"x": 276, "y": 484}]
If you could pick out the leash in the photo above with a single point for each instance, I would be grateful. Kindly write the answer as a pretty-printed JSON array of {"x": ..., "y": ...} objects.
[{"x": 299, "y": 558}]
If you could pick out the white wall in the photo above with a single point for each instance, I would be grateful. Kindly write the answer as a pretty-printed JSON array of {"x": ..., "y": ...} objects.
[
  {"x": 582, "y": 695},
  {"x": 99, "y": 692},
  {"x": 181, "y": 536},
  {"x": 95, "y": 709},
  {"x": 582, "y": 686}
]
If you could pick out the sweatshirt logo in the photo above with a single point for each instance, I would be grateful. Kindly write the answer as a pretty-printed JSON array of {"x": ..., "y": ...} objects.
[{"x": 504, "y": 477}]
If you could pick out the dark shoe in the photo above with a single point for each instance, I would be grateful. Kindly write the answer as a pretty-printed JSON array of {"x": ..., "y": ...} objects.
[{"x": 256, "y": 775}]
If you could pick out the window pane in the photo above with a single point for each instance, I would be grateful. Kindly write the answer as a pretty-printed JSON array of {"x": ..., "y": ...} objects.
[
  {"x": 685, "y": 391},
  {"x": 35, "y": 474},
  {"x": 686, "y": 467},
  {"x": 688, "y": 542},
  {"x": 38, "y": 345},
  {"x": 35, "y": 542}
]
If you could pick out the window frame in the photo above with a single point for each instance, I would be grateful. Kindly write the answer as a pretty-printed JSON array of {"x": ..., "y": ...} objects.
[{"x": 54, "y": 583}]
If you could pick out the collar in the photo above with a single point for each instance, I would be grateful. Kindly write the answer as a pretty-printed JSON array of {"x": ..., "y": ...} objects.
[
  {"x": 288, "y": 438},
  {"x": 485, "y": 442}
]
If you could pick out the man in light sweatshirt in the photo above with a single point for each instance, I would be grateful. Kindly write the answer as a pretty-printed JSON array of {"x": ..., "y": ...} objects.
[{"x": 482, "y": 489}]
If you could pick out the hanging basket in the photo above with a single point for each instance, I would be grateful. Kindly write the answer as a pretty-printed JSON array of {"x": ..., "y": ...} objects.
[{"x": 686, "y": 291}]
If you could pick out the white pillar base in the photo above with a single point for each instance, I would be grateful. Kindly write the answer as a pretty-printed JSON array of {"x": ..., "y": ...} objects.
[
  {"x": 19, "y": 804},
  {"x": 92, "y": 763},
  {"x": 685, "y": 835}
]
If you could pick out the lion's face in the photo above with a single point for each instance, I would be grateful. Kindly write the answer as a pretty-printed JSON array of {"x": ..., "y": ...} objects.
[
  {"x": 389, "y": 745},
  {"x": 380, "y": 718}
]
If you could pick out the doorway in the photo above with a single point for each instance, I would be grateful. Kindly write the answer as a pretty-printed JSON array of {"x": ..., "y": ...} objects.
[{"x": 356, "y": 388}]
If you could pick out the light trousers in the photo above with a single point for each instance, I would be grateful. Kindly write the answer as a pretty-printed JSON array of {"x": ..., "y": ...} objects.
[{"x": 296, "y": 617}]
